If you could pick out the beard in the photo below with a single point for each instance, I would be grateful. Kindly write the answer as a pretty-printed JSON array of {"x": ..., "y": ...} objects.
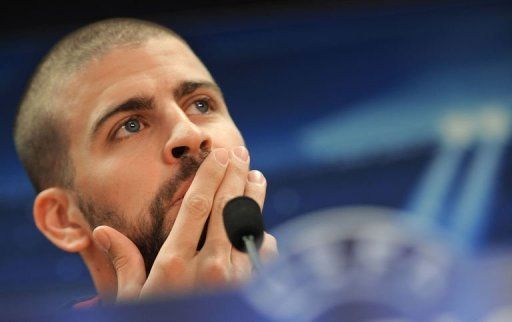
[{"x": 147, "y": 233}]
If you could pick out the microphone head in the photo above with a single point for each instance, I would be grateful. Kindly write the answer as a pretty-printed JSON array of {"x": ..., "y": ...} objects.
[{"x": 242, "y": 217}]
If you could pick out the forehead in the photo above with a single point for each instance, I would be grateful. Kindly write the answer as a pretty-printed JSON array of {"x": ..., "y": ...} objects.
[
  {"x": 156, "y": 57},
  {"x": 126, "y": 60}
]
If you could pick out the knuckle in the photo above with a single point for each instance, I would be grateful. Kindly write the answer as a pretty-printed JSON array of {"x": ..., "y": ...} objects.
[
  {"x": 223, "y": 200},
  {"x": 174, "y": 264},
  {"x": 240, "y": 168},
  {"x": 243, "y": 271},
  {"x": 198, "y": 204},
  {"x": 212, "y": 170},
  {"x": 216, "y": 271},
  {"x": 220, "y": 202},
  {"x": 120, "y": 262},
  {"x": 241, "y": 171}
]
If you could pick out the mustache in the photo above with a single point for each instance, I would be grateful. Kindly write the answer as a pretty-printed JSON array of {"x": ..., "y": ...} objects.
[{"x": 188, "y": 168}]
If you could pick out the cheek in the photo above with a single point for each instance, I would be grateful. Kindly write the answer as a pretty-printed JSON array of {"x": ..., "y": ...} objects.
[
  {"x": 226, "y": 136},
  {"x": 124, "y": 182}
]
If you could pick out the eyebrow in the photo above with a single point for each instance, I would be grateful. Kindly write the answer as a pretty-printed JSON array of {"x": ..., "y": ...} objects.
[
  {"x": 188, "y": 87},
  {"x": 140, "y": 103}
]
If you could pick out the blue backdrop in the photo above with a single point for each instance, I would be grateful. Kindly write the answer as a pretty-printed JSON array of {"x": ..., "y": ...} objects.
[{"x": 407, "y": 107}]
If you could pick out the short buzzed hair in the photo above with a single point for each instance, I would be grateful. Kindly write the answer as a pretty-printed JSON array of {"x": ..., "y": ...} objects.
[{"x": 40, "y": 136}]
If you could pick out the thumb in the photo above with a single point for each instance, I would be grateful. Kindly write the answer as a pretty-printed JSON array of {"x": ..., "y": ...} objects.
[{"x": 126, "y": 259}]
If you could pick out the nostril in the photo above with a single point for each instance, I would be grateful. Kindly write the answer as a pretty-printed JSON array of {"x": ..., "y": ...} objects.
[
  {"x": 179, "y": 151},
  {"x": 205, "y": 145}
]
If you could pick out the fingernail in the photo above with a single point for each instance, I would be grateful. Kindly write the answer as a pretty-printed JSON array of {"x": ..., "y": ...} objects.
[
  {"x": 221, "y": 155},
  {"x": 241, "y": 153},
  {"x": 102, "y": 240},
  {"x": 256, "y": 176}
]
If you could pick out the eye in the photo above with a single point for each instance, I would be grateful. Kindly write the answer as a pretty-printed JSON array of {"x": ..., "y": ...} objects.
[
  {"x": 128, "y": 128},
  {"x": 132, "y": 126},
  {"x": 199, "y": 106}
]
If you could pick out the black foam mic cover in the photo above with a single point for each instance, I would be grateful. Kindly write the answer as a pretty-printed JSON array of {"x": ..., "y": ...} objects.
[{"x": 242, "y": 217}]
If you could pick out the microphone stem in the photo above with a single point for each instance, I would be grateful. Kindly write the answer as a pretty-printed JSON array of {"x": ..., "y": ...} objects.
[{"x": 252, "y": 251}]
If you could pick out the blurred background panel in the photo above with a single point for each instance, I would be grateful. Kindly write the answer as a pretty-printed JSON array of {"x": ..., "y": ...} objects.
[{"x": 405, "y": 105}]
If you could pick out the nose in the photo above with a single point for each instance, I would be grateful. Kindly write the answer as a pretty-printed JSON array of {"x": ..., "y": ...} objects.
[{"x": 186, "y": 139}]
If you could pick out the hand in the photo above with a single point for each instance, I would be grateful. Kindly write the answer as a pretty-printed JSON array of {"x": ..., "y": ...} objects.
[{"x": 179, "y": 267}]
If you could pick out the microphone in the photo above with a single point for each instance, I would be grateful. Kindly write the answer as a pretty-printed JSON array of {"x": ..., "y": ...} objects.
[{"x": 244, "y": 225}]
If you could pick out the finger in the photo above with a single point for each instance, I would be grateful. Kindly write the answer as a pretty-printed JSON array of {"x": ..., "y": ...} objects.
[
  {"x": 256, "y": 187},
  {"x": 126, "y": 259},
  {"x": 196, "y": 206},
  {"x": 268, "y": 250},
  {"x": 242, "y": 266},
  {"x": 232, "y": 186}
]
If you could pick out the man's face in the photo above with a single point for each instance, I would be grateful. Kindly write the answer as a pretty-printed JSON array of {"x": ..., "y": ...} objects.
[{"x": 140, "y": 121}]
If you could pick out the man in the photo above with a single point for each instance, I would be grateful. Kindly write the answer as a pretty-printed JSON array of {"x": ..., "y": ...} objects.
[{"x": 128, "y": 141}]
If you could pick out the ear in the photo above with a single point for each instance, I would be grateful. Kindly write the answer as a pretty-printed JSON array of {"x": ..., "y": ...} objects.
[{"x": 57, "y": 216}]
